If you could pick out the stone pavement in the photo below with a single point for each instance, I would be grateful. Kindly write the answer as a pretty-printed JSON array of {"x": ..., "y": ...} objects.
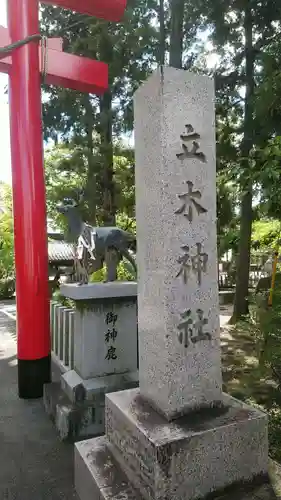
[{"x": 34, "y": 464}]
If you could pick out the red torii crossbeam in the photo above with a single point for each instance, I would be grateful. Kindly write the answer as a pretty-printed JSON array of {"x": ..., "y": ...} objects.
[
  {"x": 63, "y": 69},
  {"x": 29, "y": 205}
]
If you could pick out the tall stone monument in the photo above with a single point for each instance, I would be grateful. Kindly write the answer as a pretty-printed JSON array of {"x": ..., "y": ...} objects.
[{"x": 177, "y": 437}]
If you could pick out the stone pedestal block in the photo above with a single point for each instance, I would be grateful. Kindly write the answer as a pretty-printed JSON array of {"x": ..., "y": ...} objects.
[
  {"x": 76, "y": 406},
  {"x": 105, "y": 336},
  {"x": 105, "y": 357},
  {"x": 181, "y": 460},
  {"x": 167, "y": 460}
]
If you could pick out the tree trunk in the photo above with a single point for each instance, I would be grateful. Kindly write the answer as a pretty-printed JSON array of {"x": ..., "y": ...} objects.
[
  {"x": 243, "y": 261},
  {"x": 108, "y": 185},
  {"x": 91, "y": 187},
  {"x": 162, "y": 34},
  {"x": 176, "y": 36},
  {"x": 109, "y": 210}
]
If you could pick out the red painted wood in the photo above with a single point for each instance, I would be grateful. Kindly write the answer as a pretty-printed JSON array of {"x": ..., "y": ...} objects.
[
  {"x": 55, "y": 44},
  {"x": 111, "y": 10},
  {"x": 63, "y": 69},
  {"x": 78, "y": 73},
  {"x": 33, "y": 324}
]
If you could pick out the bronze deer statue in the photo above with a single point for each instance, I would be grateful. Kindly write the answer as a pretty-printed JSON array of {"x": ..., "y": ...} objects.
[{"x": 97, "y": 245}]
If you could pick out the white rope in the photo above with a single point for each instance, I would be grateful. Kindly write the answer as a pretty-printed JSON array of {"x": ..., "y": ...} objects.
[{"x": 5, "y": 51}]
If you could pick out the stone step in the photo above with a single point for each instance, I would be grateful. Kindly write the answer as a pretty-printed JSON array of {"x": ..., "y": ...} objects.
[
  {"x": 97, "y": 474},
  {"x": 76, "y": 406},
  {"x": 72, "y": 421},
  {"x": 99, "y": 477}
]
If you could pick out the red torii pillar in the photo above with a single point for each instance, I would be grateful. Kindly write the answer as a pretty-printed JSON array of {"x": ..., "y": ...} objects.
[{"x": 23, "y": 67}]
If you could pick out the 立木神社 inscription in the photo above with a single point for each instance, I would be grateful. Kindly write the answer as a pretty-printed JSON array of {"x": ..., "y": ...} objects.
[
  {"x": 192, "y": 331},
  {"x": 190, "y": 135},
  {"x": 197, "y": 263},
  {"x": 189, "y": 201}
]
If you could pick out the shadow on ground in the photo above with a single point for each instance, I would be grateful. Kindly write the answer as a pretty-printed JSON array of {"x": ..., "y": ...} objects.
[
  {"x": 33, "y": 463},
  {"x": 249, "y": 380},
  {"x": 243, "y": 375}
]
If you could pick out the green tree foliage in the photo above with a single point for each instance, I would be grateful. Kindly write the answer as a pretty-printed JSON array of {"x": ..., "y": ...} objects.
[
  {"x": 266, "y": 235},
  {"x": 6, "y": 196},
  {"x": 66, "y": 177},
  {"x": 130, "y": 49},
  {"x": 7, "y": 268},
  {"x": 241, "y": 30},
  {"x": 6, "y": 246},
  {"x": 267, "y": 176},
  {"x": 87, "y": 129}
]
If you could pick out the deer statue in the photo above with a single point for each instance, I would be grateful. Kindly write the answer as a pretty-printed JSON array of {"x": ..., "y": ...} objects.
[{"x": 96, "y": 245}]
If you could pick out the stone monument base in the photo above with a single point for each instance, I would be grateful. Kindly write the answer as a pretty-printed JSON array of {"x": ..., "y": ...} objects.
[
  {"x": 99, "y": 477},
  {"x": 76, "y": 406},
  {"x": 146, "y": 457}
]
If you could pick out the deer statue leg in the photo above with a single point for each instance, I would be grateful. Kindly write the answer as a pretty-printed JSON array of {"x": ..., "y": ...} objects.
[
  {"x": 112, "y": 259},
  {"x": 80, "y": 267},
  {"x": 78, "y": 270},
  {"x": 84, "y": 266}
]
